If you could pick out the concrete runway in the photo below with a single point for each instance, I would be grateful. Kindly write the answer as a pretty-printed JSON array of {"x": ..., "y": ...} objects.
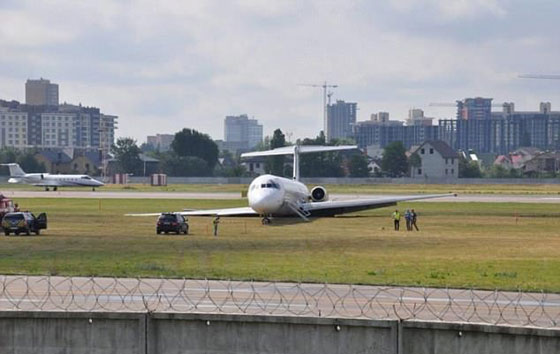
[
  {"x": 288, "y": 299},
  {"x": 485, "y": 198}
]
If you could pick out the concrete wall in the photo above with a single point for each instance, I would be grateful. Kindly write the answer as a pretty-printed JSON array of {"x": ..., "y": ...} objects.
[
  {"x": 443, "y": 338},
  {"x": 163, "y": 333},
  {"x": 174, "y": 334}
]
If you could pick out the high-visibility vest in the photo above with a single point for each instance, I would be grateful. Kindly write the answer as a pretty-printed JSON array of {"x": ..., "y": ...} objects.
[{"x": 396, "y": 216}]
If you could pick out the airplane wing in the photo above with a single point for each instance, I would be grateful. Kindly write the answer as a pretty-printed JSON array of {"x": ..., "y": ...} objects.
[
  {"x": 336, "y": 207},
  {"x": 243, "y": 211}
]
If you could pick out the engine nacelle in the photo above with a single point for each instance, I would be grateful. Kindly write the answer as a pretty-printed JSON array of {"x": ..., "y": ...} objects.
[{"x": 319, "y": 194}]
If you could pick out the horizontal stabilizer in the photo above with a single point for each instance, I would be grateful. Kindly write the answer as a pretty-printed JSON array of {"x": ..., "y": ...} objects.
[{"x": 302, "y": 149}]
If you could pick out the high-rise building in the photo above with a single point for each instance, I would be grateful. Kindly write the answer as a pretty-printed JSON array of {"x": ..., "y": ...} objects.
[
  {"x": 381, "y": 117},
  {"x": 381, "y": 134},
  {"x": 41, "y": 93},
  {"x": 474, "y": 108},
  {"x": 160, "y": 142},
  {"x": 416, "y": 117},
  {"x": 341, "y": 117},
  {"x": 48, "y": 127},
  {"x": 477, "y": 128},
  {"x": 242, "y": 130}
]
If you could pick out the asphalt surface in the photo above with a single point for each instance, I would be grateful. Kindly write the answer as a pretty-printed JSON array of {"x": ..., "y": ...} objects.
[
  {"x": 485, "y": 198},
  {"x": 36, "y": 293}
]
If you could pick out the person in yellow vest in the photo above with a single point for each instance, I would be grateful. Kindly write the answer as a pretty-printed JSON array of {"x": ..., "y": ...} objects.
[{"x": 397, "y": 219}]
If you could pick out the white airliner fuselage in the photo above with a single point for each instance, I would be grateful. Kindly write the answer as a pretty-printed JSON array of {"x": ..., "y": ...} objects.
[{"x": 273, "y": 195}]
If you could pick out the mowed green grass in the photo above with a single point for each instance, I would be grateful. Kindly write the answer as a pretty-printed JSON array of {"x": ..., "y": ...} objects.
[
  {"x": 480, "y": 245},
  {"x": 518, "y": 189}
]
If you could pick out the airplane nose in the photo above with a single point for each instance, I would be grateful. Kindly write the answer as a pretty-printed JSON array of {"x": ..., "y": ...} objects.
[{"x": 267, "y": 203}]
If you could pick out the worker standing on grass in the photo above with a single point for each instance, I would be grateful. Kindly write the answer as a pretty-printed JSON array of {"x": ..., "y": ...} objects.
[
  {"x": 216, "y": 222},
  {"x": 408, "y": 219},
  {"x": 397, "y": 219},
  {"x": 414, "y": 217}
]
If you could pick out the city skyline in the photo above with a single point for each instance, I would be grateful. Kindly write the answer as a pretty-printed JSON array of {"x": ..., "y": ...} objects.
[{"x": 193, "y": 64}]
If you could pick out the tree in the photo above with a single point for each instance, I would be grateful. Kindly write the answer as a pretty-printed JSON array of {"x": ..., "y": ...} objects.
[
  {"x": 394, "y": 161},
  {"x": 358, "y": 166},
  {"x": 469, "y": 169},
  {"x": 184, "y": 166},
  {"x": 126, "y": 153},
  {"x": 498, "y": 171},
  {"x": 275, "y": 164},
  {"x": 189, "y": 142},
  {"x": 27, "y": 162},
  {"x": 324, "y": 164}
]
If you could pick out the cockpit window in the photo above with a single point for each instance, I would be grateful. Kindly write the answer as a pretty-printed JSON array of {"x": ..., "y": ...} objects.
[
  {"x": 270, "y": 184},
  {"x": 86, "y": 177}
]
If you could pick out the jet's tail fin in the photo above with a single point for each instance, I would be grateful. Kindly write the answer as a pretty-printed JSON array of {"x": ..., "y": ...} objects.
[
  {"x": 296, "y": 150},
  {"x": 15, "y": 170}
]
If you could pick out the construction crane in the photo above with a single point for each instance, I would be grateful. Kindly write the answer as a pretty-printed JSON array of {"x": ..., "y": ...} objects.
[
  {"x": 324, "y": 86},
  {"x": 539, "y": 76}
]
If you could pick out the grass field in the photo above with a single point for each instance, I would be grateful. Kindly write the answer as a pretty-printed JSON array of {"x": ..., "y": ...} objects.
[
  {"x": 482, "y": 245},
  {"x": 542, "y": 189}
]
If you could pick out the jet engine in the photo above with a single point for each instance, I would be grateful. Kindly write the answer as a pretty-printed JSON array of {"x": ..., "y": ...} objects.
[{"x": 319, "y": 194}]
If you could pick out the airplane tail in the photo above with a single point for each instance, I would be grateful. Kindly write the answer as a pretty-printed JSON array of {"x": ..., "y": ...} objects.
[
  {"x": 296, "y": 150},
  {"x": 15, "y": 170}
]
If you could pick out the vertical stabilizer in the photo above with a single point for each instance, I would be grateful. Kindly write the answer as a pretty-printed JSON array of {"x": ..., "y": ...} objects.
[
  {"x": 15, "y": 170},
  {"x": 296, "y": 150}
]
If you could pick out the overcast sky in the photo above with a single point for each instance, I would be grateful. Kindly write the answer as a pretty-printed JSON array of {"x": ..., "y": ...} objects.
[{"x": 164, "y": 65}]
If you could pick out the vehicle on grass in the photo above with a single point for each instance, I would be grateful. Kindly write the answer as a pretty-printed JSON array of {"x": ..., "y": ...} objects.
[
  {"x": 17, "y": 175},
  {"x": 274, "y": 196},
  {"x": 23, "y": 222},
  {"x": 172, "y": 222}
]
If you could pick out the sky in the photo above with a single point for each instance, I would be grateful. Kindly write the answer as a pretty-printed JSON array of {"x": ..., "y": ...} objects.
[{"x": 165, "y": 65}]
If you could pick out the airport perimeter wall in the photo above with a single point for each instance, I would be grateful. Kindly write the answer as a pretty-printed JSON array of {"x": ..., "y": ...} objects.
[
  {"x": 163, "y": 333},
  {"x": 356, "y": 181}
]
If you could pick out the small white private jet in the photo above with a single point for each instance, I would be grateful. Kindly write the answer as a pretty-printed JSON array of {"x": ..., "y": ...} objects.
[
  {"x": 17, "y": 175},
  {"x": 272, "y": 196}
]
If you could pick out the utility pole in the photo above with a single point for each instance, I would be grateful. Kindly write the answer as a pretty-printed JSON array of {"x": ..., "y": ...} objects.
[{"x": 324, "y": 86}]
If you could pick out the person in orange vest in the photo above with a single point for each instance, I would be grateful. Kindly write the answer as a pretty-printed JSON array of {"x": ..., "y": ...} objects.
[{"x": 396, "y": 219}]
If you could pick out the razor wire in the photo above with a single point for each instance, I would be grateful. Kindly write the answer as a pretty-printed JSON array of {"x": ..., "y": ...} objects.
[{"x": 94, "y": 294}]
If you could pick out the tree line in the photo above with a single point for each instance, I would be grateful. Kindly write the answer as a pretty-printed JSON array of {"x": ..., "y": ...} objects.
[{"x": 194, "y": 153}]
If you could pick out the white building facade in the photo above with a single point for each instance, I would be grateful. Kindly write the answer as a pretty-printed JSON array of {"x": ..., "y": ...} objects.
[{"x": 437, "y": 160}]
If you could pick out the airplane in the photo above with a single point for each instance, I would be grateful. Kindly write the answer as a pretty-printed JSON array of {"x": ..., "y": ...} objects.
[
  {"x": 17, "y": 175},
  {"x": 272, "y": 196}
]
